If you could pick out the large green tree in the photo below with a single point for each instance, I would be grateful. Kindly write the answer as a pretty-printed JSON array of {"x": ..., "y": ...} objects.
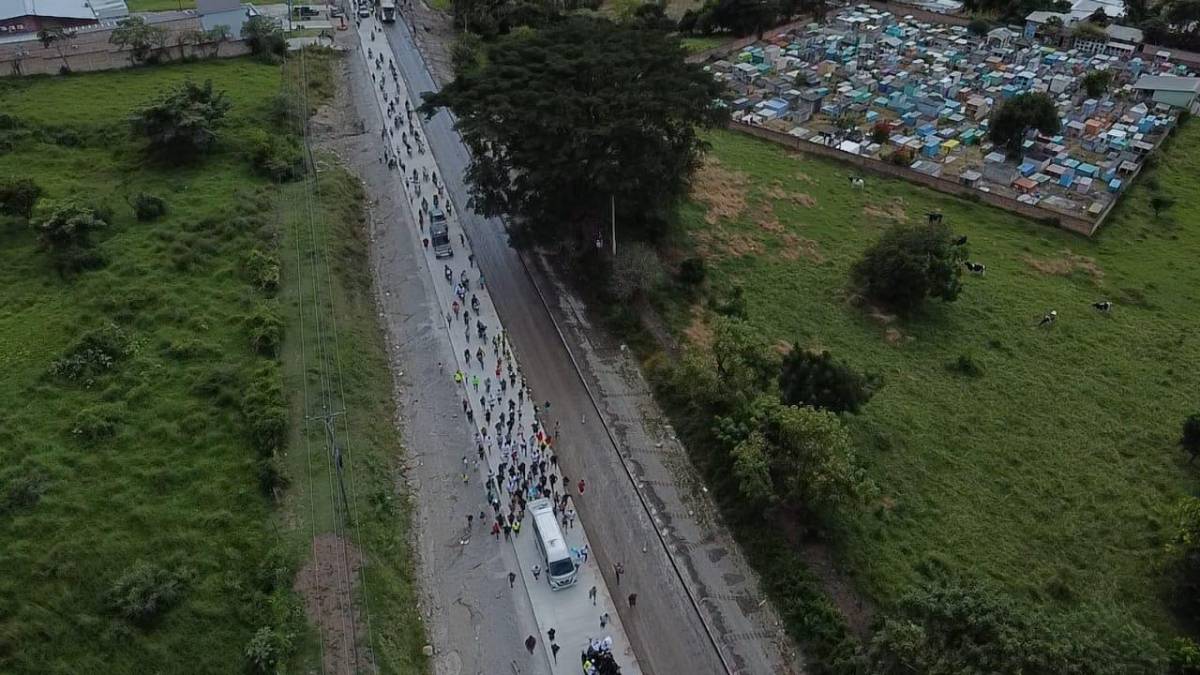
[
  {"x": 182, "y": 124},
  {"x": 1016, "y": 116},
  {"x": 909, "y": 264},
  {"x": 566, "y": 120}
]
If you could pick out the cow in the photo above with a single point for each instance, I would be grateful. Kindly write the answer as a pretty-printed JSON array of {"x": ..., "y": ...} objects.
[
  {"x": 1048, "y": 319},
  {"x": 858, "y": 183},
  {"x": 1103, "y": 306},
  {"x": 976, "y": 268},
  {"x": 934, "y": 216}
]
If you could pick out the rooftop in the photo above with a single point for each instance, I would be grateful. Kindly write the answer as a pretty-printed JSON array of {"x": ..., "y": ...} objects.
[
  {"x": 65, "y": 9},
  {"x": 1168, "y": 83}
]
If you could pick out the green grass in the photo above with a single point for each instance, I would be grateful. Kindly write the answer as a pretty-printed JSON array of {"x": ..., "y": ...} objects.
[
  {"x": 358, "y": 356},
  {"x": 1050, "y": 474},
  {"x": 693, "y": 45},
  {"x": 176, "y": 485},
  {"x": 160, "y": 5}
]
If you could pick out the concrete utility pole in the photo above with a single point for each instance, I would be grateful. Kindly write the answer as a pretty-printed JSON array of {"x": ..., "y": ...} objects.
[{"x": 613, "y": 203}]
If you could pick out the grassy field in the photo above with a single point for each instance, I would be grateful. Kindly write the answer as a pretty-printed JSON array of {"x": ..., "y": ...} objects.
[
  {"x": 1052, "y": 472},
  {"x": 699, "y": 44},
  {"x": 149, "y": 465}
]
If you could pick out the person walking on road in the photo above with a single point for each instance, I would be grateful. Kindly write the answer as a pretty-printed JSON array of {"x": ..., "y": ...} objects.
[
  {"x": 537, "y": 572},
  {"x": 512, "y": 580},
  {"x": 592, "y": 595},
  {"x": 619, "y": 569},
  {"x": 581, "y": 485},
  {"x": 550, "y": 634},
  {"x": 633, "y": 599},
  {"x": 554, "y": 651},
  {"x": 530, "y": 643}
]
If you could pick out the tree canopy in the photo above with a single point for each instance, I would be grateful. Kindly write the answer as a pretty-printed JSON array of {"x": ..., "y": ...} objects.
[
  {"x": 816, "y": 379},
  {"x": 911, "y": 263},
  {"x": 139, "y": 37},
  {"x": 563, "y": 119},
  {"x": 264, "y": 37},
  {"x": 1016, "y": 116},
  {"x": 182, "y": 123}
]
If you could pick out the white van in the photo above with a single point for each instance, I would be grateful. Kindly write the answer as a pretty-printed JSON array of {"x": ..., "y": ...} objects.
[{"x": 560, "y": 566}]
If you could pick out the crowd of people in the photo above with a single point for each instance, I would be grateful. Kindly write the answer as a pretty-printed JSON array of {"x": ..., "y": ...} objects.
[{"x": 514, "y": 456}]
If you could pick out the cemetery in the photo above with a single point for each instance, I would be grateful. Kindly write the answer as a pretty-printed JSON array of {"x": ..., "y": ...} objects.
[{"x": 887, "y": 90}]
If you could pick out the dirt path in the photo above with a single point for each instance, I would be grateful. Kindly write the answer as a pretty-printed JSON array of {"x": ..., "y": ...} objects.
[{"x": 330, "y": 605}]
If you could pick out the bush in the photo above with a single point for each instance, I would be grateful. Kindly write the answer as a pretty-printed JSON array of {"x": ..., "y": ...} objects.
[
  {"x": 271, "y": 476},
  {"x": 66, "y": 235},
  {"x": 812, "y": 379},
  {"x": 267, "y": 649},
  {"x": 22, "y": 492},
  {"x": 910, "y": 263},
  {"x": 264, "y": 410},
  {"x": 901, "y": 157},
  {"x": 96, "y": 423},
  {"x": 143, "y": 593},
  {"x": 182, "y": 124},
  {"x": 266, "y": 329},
  {"x": 692, "y": 272},
  {"x": 18, "y": 196},
  {"x": 148, "y": 207},
  {"x": 1189, "y": 439},
  {"x": 979, "y": 27},
  {"x": 96, "y": 352},
  {"x": 881, "y": 132},
  {"x": 276, "y": 157},
  {"x": 264, "y": 270},
  {"x": 635, "y": 270}
]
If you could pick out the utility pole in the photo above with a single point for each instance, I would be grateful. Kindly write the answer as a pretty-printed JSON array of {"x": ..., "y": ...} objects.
[{"x": 613, "y": 204}]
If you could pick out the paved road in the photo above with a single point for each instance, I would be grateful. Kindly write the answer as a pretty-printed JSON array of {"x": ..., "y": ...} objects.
[
  {"x": 748, "y": 632},
  {"x": 620, "y": 527},
  {"x": 576, "y": 615},
  {"x": 470, "y": 612}
]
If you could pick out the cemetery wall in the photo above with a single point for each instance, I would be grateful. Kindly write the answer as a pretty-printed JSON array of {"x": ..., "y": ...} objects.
[{"x": 1073, "y": 223}]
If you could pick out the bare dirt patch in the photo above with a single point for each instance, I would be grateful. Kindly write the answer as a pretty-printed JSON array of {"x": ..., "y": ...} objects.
[
  {"x": 796, "y": 247},
  {"x": 770, "y": 223},
  {"x": 721, "y": 190},
  {"x": 820, "y": 560},
  {"x": 719, "y": 243},
  {"x": 328, "y": 583},
  {"x": 1067, "y": 265},
  {"x": 893, "y": 210}
]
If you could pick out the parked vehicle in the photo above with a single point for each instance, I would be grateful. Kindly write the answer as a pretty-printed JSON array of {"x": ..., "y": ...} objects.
[
  {"x": 439, "y": 234},
  {"x": 560, "y": 566},
  {"x": 389, "y": 10}
]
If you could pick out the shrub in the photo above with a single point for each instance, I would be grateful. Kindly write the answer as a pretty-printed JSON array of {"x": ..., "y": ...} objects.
[
  {"x": 18, "y": 196},
  {"x": 692, "y": 272},
  {"x": 271, "y": 476},
  {"x": 266, "y": 329},
  {"x": 817, "y": 380},
  {"x": 1189, "y": 439},
  {"x": 96, "y": 423},
  {"x": 264, "y": 410},
  {"x": 143, "y": 593},
  {"x": 979, "y": 26},
  {"x": 148, "y": 207},
  {"x": 276, "y": 157},
  {"x": 635, "y": 270},
  {"x": 881, "y": 132},
  {"x": 901, "y": 157},
  {"x": 66, "y": 235},
  {"x": 910, "y": 263},
  {"x": 965, "y": 365},
  {"x": 264, "y": 270},
  {"x": 22, "y": 492},
  {"x": 267, "y": 649},
  {"x": 97, "y": 351},
  {"x": 732, "y": 305},
  {"x": 182, "y": 124}
]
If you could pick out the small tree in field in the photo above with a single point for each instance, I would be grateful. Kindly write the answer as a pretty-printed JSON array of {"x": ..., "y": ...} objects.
[
  {"x": 183, "y": 123},
  {"x": 911, "y": 263},
  {"x": 1189, "y": 440},
  {"x": 67, "y": 236},
  {"x": 1161, "y": 203}
]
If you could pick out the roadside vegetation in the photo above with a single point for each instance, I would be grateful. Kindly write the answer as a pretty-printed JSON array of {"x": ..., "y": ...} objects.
[{"x": 144, "y": 501}]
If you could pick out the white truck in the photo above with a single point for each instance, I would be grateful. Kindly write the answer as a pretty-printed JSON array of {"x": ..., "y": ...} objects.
[{"x": 388, "y": 7}]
